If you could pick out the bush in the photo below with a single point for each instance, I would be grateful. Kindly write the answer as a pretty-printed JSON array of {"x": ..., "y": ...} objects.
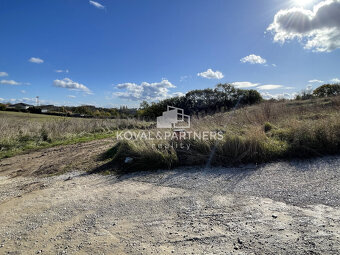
[
  {"x": 3, "y": 107},
  {"x": 327, "y": 90}
]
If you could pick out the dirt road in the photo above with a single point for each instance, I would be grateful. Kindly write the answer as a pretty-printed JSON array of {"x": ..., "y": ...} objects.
[{"x": 278, "y": 208}]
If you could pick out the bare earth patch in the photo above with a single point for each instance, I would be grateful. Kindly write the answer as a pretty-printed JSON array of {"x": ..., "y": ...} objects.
[
  {"x": 283, "y": 208},
  {"x": 56, "y": 160}
]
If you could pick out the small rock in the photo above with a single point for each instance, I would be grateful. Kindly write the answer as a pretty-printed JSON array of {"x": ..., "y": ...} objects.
[
  {"x": 274, "y": 216},
  {"x": 128, "y": 160}
]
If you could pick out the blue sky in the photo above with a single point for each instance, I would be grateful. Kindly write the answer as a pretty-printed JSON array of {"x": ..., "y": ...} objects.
[{"x": 120, "y": 52}]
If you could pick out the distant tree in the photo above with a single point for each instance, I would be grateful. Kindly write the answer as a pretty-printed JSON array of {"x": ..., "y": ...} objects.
[
  {"x": 3, "y": 107},
  {"x": 204, "y": 101},
  {"x": 305, "y": 95},
  {"x": 83, "y": 110},
  {"x": 327, "y": 90},
  {"x": 33, "y": 109}
]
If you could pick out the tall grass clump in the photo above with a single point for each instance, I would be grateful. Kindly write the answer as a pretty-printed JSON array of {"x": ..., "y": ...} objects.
[{"x": 128, "y": 156}]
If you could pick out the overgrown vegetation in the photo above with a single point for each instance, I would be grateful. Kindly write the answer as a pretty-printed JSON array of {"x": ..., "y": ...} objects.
[
  {"x": 326, "y": 90},
  {"x": 24, "y": 131},
  {"x": 255, "y": 134},
  {"x": 207, "y": 101}
]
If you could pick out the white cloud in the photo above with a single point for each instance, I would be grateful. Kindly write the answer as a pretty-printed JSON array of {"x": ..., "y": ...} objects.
[
  {"x": 3, "y": 74},
  {"x": 210, "y": 74},
  {"x": 97, "y": 5},
  {"x": 36, "y": 60},
  {"x": 69, "y": 84},
  {"x": 244, "y": 84},
  {"x": 248, "y": 84},
  {"x": 62, "y": 71},
  {"x": 269, "y": 87},
  {"x": 9, "y": 82},
  {"x": 145, "y": 91},
  {"x": 253, "y": 59},
  {"x": 71, "y": 96},
  {"x": 23, "y": 91},
  {"x": 335, "y": 80},
  {"x": 178, "y": 94},
  {"x": 315, "y": 81},
  {"x": 274, "y": 65},
  {"x": 317, "y": 29},
  {"x": 267, "y": 95}
]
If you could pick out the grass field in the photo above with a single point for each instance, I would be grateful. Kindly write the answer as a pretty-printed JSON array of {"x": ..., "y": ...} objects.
[
  {"x": 260, "y": 133},
  {"x": 26, "y": 131},
  {"x": 21, "y": 115}
]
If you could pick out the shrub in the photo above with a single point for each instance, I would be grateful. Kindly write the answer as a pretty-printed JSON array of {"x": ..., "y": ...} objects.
[
  {"x": 327, "y": 90},
  {"x": 3, "y": 107}
]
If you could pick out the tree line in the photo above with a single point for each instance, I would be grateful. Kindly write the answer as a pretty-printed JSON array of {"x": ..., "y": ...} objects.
[
  {"x": 207, "y": 101},
  {"x": 326, "y": 90}
]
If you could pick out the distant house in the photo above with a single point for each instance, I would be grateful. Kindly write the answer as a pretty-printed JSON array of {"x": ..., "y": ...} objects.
[
  {"x": 44, "y": 110},
  {"x": 19, "y": 106}
]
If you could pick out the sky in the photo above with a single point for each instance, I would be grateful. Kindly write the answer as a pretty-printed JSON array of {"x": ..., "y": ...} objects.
[{"x": 110, "y": 53}]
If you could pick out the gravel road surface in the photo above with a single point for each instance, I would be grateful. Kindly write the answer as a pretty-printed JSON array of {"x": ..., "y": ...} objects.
[{"x": 277, "y": 208}]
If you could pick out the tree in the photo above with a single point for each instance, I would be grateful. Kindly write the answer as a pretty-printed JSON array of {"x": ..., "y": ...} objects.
[
  {"x": 3, "y": 107},
  {"x": 327, "y": 90},
  {"x": 203, "y": 101}
]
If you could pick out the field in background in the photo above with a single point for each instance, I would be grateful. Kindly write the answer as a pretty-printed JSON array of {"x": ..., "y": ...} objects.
[
  {"x": 255, "y": 134},
  {"x": 25, "y": 131}
]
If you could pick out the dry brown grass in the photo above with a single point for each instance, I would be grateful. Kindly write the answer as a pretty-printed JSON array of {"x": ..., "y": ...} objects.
[
  {"x": 256, "y": 134},
  {"x": 26, "y": 131}
]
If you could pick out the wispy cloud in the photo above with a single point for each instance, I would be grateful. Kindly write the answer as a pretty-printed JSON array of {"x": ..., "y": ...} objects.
[
  {"x": 259, "y": 86},
  {"x": 3, "y": 74},
  {"x": 97, "y": 5},
  {"x": 315, "y": 81},
  {"x": 184, "y": 78},
  {"x": 71, "y": 96},
  {"x": 245, "y": 84},
  {"x": 269, "y": 87},
  {"x": 36, "y": 60},
  {"x": 253, "y": 59},
  {"x": 9, "y": 82},
  {"x": 72, "y": 85},
  {"x": 267, "y": 95},
  {"x": 146, "y": 91},
  {"x": 23, "y": 91},
  {"x": 177, "y": 94},
  {"x": 62, "y": 71},
  {"x": 210, "y": 74}
]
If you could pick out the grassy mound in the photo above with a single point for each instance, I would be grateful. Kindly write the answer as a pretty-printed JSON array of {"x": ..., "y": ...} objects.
[
  {"x": 256, "y": 134},
  {"x": 129, "y": 157}
]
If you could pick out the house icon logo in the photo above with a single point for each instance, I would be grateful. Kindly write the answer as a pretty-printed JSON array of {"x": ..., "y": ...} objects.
[{"x": 173, "y": 118}]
